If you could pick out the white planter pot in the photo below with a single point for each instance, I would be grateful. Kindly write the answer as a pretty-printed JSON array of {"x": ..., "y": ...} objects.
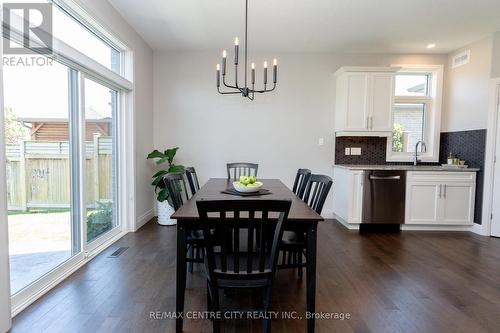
[{"x": 164, "y": 213}]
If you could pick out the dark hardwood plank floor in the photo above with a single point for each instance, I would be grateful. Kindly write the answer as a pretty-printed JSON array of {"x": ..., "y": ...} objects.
[{"x": 408, "y": 282}]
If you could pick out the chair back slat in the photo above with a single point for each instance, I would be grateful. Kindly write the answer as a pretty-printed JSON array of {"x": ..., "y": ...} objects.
[
  {"x": 177, "y": 190},
  {"x": 316, "y": 191},
  {"x": 194, "y": 184},
  {"x": 263, "y": 240},
  {"x": 236, "y": 170},
  {"x": 250, "y": 243},
  {"x": 236, "y": 242},
  {"x": 226, "y": 232},
  {"x": 239, "y": 225},
  {"x": 300, "y": 182}
]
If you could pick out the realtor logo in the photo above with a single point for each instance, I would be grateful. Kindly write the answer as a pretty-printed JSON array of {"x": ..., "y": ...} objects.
[{"x": 29, "y": 22}]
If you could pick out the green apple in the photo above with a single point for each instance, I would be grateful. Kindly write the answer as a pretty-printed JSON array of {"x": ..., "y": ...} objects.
[
  {"x": 253, "y": 185},
  {"x": 252, "y": 179},
  {"x": 244, "y": 180}
]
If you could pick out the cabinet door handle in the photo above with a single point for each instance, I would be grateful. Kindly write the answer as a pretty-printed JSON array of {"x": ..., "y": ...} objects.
[
  {"x": 371, "y": 122},
  {"x": 444, "y": 191},
  {"x": 367, "y": 122},
  {"x": 439, "y": 193}
]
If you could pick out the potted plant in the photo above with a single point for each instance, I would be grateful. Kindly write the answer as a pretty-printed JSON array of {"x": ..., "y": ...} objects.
[{"x": 165, "y": 209}]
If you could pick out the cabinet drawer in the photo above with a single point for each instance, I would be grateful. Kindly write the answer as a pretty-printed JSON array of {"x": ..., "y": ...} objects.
[{"x": 440, "y": 176}]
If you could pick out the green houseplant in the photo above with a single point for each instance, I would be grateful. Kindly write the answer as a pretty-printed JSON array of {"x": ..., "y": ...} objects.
[{"x": 164, "y": 206}]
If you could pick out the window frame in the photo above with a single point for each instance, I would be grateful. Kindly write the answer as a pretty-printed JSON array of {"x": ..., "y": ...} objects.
[{"x": 432, "y": 113}]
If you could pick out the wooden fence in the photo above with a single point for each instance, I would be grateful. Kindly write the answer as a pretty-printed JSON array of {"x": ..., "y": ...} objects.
[{"x": 38, "y": 173}]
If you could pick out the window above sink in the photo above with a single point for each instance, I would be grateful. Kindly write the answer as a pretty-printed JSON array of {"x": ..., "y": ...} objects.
[{"x": 416, "y": 114}]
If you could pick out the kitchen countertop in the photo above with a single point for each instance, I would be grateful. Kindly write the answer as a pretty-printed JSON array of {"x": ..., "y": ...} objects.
[{"x": 405, "y": 168}]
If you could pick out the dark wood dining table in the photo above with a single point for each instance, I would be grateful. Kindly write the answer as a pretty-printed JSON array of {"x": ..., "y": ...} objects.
[{"x": 300, "y": 218}]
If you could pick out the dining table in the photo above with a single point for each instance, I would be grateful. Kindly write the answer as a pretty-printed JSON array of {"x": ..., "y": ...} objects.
[{"x": 301, "y": 218}]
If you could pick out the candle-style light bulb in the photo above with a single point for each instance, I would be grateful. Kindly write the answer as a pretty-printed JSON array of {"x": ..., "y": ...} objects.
[
  {"x": 275, "y": 70},
  {"x": 236, "y": 50},
  {"x": 218, "y": 75},
  {"x": 224, "y": 55},
  {"x": 253, "y": 72},
  {"x": 265, "y": 73}
]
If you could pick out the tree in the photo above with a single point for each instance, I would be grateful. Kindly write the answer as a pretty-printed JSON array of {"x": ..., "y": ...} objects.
[
  {"x": 14, "y": 130},
  {"x": 397, "y": 138}
]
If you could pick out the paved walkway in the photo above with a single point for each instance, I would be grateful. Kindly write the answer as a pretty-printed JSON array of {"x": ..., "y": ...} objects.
[{"x": 38, "y": 242}]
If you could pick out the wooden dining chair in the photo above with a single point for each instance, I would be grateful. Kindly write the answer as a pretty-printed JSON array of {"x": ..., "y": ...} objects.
[
  {"x": 192, "y": 179},
  {"x": 242, "y": 262},
  {"x": 293, "y": 244},
  {"x": 299, "y": 185},
  {"x": 236, "y": 170},
  {"x": 177, "y": 190}
]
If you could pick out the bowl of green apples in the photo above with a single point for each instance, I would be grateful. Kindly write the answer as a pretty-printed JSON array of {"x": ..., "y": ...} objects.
[{"x": 247, "y": 184}]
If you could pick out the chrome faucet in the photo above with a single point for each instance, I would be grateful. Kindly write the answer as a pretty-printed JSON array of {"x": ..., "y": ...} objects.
[{"x": 423, "y": 149}]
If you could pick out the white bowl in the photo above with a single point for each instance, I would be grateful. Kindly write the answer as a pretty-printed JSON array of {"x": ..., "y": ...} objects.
[{"x": 247, "y": 189}]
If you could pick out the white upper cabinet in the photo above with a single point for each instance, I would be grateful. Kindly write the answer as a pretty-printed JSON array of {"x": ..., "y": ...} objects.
[{"x": 364, "y": 100}]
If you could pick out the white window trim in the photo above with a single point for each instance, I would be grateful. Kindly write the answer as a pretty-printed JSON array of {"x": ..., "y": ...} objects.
[
  {"x": 433, "y": 120},
  {"x": 75, "y": 59}
]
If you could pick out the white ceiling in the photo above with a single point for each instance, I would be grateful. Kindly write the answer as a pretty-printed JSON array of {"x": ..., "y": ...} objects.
[{"x": 341, "y": 26}]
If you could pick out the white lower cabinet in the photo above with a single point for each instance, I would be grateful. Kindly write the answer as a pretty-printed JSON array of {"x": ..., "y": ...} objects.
[
  {"x": 440, "y": 198},
  {"x": 347, "y": 190}
]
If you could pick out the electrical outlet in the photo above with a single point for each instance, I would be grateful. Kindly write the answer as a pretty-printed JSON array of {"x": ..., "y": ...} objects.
[
  {"x": 355, "y": 151},
  {"x": 348, "y": 151},
  {"x": 321, "y": 141}
]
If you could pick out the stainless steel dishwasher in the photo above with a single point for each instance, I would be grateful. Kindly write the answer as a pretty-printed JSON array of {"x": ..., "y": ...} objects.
[{"x": 384, "y": 196}]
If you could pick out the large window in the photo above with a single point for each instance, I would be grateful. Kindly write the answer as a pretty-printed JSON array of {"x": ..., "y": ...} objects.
[
  {"x": 65, "y": 117},
  {"x": 416, "y": 113}
]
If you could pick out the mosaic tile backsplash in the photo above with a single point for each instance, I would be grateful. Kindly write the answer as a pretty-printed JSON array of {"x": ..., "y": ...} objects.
[{"x": 467, "y": 145}]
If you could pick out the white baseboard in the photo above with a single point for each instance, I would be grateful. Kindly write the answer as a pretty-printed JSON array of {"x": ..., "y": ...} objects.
[
  {"x": 327, "y": 214},
  {"x": 436, "y": 227},
  {"x": 344, "y": 223},
  {"x": 480, "y": 230},
  {"x": 143, "y": 218},
  {"x": 476, "y": 228}
]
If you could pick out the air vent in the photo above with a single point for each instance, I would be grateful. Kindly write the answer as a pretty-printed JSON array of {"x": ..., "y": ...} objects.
[
  {"x": 118, "y": 252},
  {"x": 460, "y": 59}
]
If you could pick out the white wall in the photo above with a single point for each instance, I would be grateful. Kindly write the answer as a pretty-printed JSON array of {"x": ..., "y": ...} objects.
[
  {"x": 143, "y": 102},
  {"x": 279, "y": 130},
  {"x": 467, "y": 89},
  {"x": 495, "y": 66}
]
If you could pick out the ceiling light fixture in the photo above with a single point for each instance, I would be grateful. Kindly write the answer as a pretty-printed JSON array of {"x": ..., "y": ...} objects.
[
  {"x": 431, "y": 46},
  {"x": 245, "y": 90}
]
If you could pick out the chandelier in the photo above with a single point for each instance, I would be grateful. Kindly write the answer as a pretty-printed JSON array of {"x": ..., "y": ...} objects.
[{"x": 235, "y": 88}]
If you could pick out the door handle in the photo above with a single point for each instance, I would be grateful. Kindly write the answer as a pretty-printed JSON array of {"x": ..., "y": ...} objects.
[
  {"x": 367, "y": 122},
  {"x": 444, "y": 191},
  {"x": 385, "y": 177},
  {"x": 371, "y": 122},
  {"x": 439, "y": 194}
]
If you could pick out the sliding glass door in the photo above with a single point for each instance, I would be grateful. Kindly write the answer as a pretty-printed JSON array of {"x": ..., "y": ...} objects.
[
  {"x": 39, "y": 171},
  {"x": 61, "y": 139},
  {"x": 100, "y": 105},
  {"x": 66, "y": 109}
]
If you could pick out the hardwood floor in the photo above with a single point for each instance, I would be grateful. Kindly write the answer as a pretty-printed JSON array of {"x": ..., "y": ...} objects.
[{"x": 408, "y": 282}]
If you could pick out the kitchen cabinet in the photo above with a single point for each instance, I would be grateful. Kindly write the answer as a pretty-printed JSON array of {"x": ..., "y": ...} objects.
[
  {"x": 364, "y": 101},
  {"x": 347, "y": 190},
  {"x": 440, "y": 198}
]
